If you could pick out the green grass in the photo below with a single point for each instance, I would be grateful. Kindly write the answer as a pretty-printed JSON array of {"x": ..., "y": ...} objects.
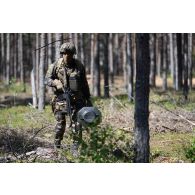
[{"x": 171, "y": 145}]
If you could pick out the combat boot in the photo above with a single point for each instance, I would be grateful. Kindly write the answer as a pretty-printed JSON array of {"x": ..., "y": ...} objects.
[{"x": 57, "y": 143}]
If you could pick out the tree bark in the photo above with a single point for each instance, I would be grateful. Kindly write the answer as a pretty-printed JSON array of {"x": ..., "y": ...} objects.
[
  {"x": 106, "y": 67},
  {"x": 129, "y": 69},
  {"x": 190, "y": 59},
  {"x": 20, "y": 57},
  {"x": 7, "y": 58},
  {"x": 158, "y": 54},
  {"x": 81, "y": 48},
  {"x": 185, "y": 55},
  {"x": 34, "y": 96},
  {"x": 58, "y": 39},
  {"x": 142, "y": 149},
  {"x": 3, "y": 57},
  {"x": 164, "y": 86},
  {"x": 116, "y": 54},
  {"x": 152, "y": 60},
  {"x": 37, "y": 62},
  {"x": 97, "y": 68},
  {"x": 179, "y": 71},
  {"x": 110, "y": 59},
  {"x": 41, "y": 105},
  {"x": 92, "y": 62},
  {"x": 49, "y": 49},
  {"x": 124, "y": 56}
]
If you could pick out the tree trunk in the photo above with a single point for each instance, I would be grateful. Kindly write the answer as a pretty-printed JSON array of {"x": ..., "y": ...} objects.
[
  {"x": 7, "y": 58},
  {"x": 142, "y": 149},
  {"x": 3, "y": 57},
  {"x": 20, "y": 57},
  {"x": 58, "y": 39},
  {"x": 175, "y": 60},
  {"x": 15, "y": 55},
  {"x": 41, "y": 74},
  {"x": 49, "y": 49},
  {"x": 81, "y": 48},
  {"x": 124, "y": 56},
  {"x": 172, "y": 64},
  {"x": 152, "y": 61},
  {"x": 133, "y": 46},
  {"x": 97, "y": 68},
  {"x": 92, "y": 62},
  {"x": 164, "y": 40},
  {"x": 185, "y": 52},
  {"x": 158, "y": 54},
  {"x": 129, "y": 69},
  {"x": 106, "y": 68},
  {"x": 116, "y": 54},
  {"x": 110, "y": 59},
  {"x": 34, "y": 96},
  {"x": 37, "y": 62},
  {"x": 190, "y": 59},
  {"x": 179, "y": 71}
]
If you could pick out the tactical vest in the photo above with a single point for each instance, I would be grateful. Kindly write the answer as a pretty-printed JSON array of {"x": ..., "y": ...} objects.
[{"x": 70, "y": 77}]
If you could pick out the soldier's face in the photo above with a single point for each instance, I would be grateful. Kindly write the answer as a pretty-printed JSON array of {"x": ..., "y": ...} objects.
[{"x": 67, "y": 57}]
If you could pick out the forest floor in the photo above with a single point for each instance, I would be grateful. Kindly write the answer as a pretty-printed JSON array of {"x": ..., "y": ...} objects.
[{"x": 26, "y": 135}]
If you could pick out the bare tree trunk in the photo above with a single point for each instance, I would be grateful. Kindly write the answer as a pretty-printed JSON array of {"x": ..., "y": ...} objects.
[
  {"x": 164, "y": 63},
  {"x": 185, "y": 52},
  {"x": 76, "y": 42},
  {"x": 116, "y": 54},
  {"x": 190, "y": 59},
  {"x": 97, "y": 68},
  {"x": 15, "y": 55},
  {"x": 58, "y": 39},
  {"x": 12, "y": 43},
  {"x": 124, "y": 60},
  {"x": 20, "y": 57},
  {"x": 152, "y": 61},
  {"x": 34, "y": 96},
  {"x": 175, "y": 60},
  {"x": 81, "y": 48},
  {"x": 106, "y": 67},
  {"x": 179, "y": 71},
  {"x": 92, "y": 62},
  {"x": 49, "y": 49},
  {"x": 133, "y": 42},
  {"x": 37, "y": 62},
  {"x": 41, "y": 105},
  {"x": 158, "y": 54},
  {"x": 142, "y": 148},
  {"x": 3, "y": 57},
  {"x": 172, "y": 64},
  {"x": 7, "y": 58},
  {"x": 110, "y": 59},
  {"x": 129, "y": 69}
]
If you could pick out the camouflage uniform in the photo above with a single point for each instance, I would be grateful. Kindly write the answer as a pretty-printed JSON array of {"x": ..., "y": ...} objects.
[{"x": 71, "y": 74}]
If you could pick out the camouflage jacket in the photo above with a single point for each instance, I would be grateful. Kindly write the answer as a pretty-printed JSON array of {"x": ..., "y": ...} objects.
[{"x": 59, "y": 71}]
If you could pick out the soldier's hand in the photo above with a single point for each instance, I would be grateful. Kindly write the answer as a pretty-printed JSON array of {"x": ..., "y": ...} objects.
[{"x": 58, "y": 84}]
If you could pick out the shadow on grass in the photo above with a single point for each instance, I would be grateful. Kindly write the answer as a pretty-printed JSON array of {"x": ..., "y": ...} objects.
[{"x": 13, "y": 141}]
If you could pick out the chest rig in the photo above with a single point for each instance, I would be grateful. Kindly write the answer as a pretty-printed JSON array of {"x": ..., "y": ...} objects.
[{"x": 69, "y": 76}]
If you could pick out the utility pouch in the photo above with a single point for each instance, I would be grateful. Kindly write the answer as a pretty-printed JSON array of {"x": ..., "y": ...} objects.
[{"x": 73, "y": 82}]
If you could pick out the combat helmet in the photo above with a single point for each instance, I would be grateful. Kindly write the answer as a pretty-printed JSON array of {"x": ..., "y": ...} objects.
[{"x": 68, "y": 46}]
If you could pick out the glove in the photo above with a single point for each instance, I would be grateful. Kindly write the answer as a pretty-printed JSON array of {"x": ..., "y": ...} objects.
[
  {"x": 58, "y": 84},
  {"x": 89, "y": 103}
]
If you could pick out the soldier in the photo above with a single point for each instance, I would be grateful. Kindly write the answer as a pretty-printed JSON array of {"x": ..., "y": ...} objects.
[{"x": 67, "y": 73}]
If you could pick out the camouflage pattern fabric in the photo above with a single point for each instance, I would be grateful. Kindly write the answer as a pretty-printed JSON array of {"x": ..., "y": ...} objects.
[{"x": 81, "y": 93}]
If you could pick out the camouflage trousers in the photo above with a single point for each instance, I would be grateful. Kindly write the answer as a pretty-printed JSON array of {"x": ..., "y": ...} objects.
[{"x": 59, "y": 110}]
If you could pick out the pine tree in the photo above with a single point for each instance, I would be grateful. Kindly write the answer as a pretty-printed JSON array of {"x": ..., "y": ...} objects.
[{"x": 142, "y": 149}]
